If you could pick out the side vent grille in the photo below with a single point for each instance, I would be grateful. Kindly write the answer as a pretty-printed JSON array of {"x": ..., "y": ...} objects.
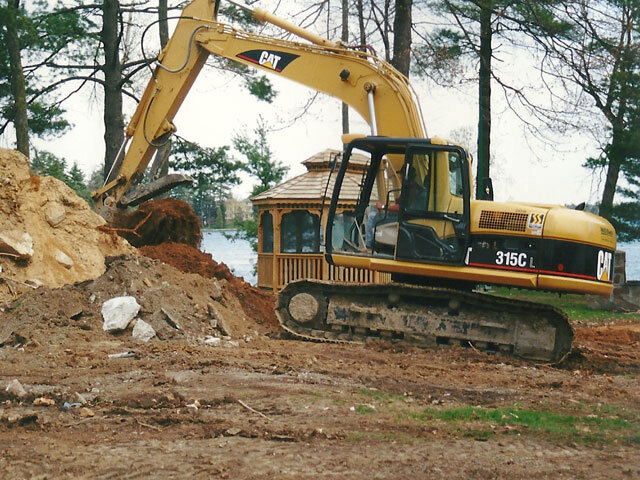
[{"x": 516, "y": 222}]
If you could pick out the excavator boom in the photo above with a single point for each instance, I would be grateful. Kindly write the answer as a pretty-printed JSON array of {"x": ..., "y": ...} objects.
[{"x": 369, "y": 85}]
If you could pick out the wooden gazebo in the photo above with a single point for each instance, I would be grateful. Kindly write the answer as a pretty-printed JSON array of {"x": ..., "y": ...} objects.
[{"x": 291, "y": 222}]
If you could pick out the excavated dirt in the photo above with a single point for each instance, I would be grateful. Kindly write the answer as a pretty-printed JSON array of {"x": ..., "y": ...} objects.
[
  {"x": 257, "y": 304},
  {"x": 67, "y": 247},
  {"x": 159, "y": 221},
  {"x": 188, "y": 259}
]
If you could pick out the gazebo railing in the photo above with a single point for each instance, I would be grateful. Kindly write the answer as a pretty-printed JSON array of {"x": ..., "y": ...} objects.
[{"x": 292, "y": 267}]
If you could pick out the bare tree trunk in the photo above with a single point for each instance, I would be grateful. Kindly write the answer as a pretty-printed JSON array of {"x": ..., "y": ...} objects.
[
  {"x": 163, "y": 25},
  {"x": 160, "y": 165},
  {"x": 402, "y": 36},
  {"x": 363, "y": 35},
  {"x": 484, "y": 100},
  {"x": 18, "y": 89},
  {"x": 615, "y": 157},
  {"x": 113, "y": 118},
  {"x": 345, "y": 39}
]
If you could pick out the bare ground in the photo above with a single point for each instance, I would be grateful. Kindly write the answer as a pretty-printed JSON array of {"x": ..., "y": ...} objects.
[{"x": 275, "y": 408}]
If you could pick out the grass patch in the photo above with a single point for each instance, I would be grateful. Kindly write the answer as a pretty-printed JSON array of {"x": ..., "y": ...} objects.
[
  {"x": 379, "y": 396},
  {"x": 560, "y": 426},
  {"x": 575, "y": 306},
  {"x": 364, "y": 409}
]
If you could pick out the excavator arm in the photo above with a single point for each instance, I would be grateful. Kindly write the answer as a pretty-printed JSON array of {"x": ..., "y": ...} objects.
[{"x": 369, "y": 85}]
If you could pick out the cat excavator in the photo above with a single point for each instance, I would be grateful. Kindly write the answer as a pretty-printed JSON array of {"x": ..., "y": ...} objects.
[{"x": 415, "y": 216}]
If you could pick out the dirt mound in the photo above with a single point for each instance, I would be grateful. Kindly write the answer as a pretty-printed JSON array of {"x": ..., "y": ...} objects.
[
  {"x": 188, "y": 259},
  {"x": 177, "y": 305},
  {"x": 257, "y": 304},
  {"x": 159, "y": 221},
  {"x": 55, "y": 229}
]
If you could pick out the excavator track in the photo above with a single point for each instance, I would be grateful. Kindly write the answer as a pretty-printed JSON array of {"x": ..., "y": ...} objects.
[{"x": 426, "y": 316}]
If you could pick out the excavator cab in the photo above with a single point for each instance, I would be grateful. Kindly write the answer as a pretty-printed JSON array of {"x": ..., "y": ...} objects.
[{"x": 419, "y": 212}]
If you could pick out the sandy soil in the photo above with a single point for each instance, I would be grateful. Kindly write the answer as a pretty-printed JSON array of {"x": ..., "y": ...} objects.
[{"x": 258, "y": 406}]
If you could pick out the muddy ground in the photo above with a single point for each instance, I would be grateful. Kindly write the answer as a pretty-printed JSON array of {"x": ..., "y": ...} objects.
[{"x": 258, "y": 406}]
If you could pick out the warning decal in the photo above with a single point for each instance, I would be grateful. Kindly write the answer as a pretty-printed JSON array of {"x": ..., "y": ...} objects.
[{"x": 536, "y": 220}]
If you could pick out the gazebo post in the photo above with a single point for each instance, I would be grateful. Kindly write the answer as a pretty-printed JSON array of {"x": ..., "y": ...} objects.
[{"x": 276, "y": 215}]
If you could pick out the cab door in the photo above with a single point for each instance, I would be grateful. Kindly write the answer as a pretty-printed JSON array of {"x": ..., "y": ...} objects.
[{"x": 434, "y": 205}]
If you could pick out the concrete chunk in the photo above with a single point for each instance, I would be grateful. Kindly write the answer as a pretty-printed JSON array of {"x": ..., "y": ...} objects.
[
  {"x": 118, "y": 313},
  {"x": 63, "y": 259},
  {"x": 16, "y": 389},
  {"x": 16, "y": 244},
  {"x": 142, "y": 331}
]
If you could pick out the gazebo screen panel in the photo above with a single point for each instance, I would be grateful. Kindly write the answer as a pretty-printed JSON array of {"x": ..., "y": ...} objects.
[
  {"x": 266, "y": 225},
  {"x": 300, "y": 232}
]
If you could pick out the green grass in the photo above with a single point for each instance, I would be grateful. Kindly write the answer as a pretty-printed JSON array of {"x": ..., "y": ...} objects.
[
  {"x": 480, "y": 423},
  {"x": 380, "y": 396},
  {"x": 575, "y": 306},
  {"x": 363, "y": 409}
]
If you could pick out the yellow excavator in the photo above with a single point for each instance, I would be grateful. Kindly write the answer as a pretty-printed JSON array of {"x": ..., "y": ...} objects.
[{"x": 415, "y": 217}]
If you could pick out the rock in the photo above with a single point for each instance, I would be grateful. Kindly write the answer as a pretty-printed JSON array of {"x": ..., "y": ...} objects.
[
  {"x": 216, "y": 292},
  {"x": 16, "y": 244},
  {"x": 118, "y": 313},
  {"x": 214, "y": 314},
  {"x": 122, "y": 355},
  {"x": 231, "y": 344},
  {"x": 21, "y": 419},
  {"x": 142, "y": 331},
  {"x": 54, "y": 213},
  {"x": 233, "y": 431},
  {"x": 224, "y": 327},
  {"x": 63, "y": 259},
  {"x": 86, "y": 412},
  {"x": 16, "y": 389},
  {"x": 170, "y": 319},
  {"x": 44, "y": 402},
  {"x": 213, "y": 341},
  {"x": 81, "y": 398}
]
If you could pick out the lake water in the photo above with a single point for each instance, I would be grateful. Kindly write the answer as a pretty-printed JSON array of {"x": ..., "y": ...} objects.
[
  {"x": 237, "y": 254},
  {"x": 632, "y": 250},
  {"x": 240, "y": 258}
]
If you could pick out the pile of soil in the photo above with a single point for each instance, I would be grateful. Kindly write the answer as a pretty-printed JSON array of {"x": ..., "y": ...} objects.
[
  {"x": 71, "y": 242},
  {"x": 188, "y": 259},
  {"x": 159, "y": 221},
  {"x": 257, "y": 304},
  {"x": 179, "y": 306},
  {"x": 67, "y": 247}
]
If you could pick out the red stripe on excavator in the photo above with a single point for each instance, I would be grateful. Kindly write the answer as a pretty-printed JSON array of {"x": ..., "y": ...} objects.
[
  {"x": 499, "y": 267},
  {"x": 530, "y": 270}
]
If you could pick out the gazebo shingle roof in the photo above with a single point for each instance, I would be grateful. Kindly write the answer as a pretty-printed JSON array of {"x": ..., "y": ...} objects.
[{"x": 310, "y": 186}]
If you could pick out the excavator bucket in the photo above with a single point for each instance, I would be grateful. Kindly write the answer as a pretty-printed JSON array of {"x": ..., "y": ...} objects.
[{"x": 141, "y": 193}]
